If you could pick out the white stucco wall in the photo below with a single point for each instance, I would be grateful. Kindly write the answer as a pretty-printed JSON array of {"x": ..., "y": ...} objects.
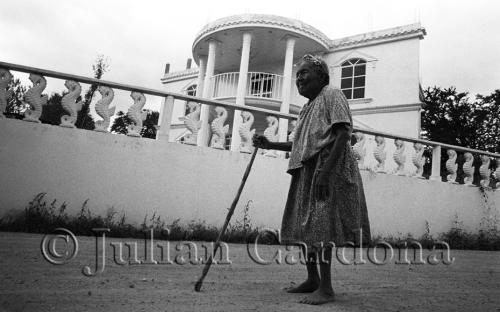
[
  {"x": 400, "y": 123},
  {"x": 392, "y": 80},
  {"x": 392, "y": 71},
  {"x": 142, "y": 176}
]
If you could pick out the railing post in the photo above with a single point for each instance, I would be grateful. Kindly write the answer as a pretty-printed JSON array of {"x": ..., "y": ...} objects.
[
  {"x": 436, "y": 164},
  {"x": 165, "y": 118}
]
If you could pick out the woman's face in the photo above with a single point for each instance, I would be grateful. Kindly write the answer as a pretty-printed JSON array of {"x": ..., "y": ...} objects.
[{"x": 308, "y": 81}]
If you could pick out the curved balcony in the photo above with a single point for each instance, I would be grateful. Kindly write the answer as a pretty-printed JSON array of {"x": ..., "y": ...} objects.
[
  {"x": 260, "y": 85},
  {"x": 267, "y": 46}
]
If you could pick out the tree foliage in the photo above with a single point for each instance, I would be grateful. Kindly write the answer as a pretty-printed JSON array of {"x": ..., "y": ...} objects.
[
  {"x": 451, "y": 117},
  {"x": 53, "y": 111},
  {"x": 489, "y": 134},
  {"x": 122, "y": 121},
  {"x": 16, "y": 106},
  {"x": 84, "y": 120}
]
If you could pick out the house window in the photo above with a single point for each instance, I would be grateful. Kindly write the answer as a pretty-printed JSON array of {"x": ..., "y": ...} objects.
[
  {"x": 353, "y": 78},
  {"x": 191, "y": 90},
  {"x": 261, "y": 85}
]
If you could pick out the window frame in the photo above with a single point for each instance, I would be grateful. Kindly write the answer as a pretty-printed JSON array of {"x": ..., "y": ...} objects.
[
  {"x": 353, "y": 71},
  {"x": 191, "y": 90}
]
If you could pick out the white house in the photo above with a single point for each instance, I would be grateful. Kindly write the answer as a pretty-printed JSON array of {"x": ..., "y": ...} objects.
[{"x": 249, "y": 60}]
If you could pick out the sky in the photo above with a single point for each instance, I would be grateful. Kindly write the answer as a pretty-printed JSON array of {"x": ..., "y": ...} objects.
[{"x": 462, "y": 46}]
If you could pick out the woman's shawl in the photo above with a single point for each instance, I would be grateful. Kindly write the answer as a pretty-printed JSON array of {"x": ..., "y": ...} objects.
[{"x": 314, "y": 126}]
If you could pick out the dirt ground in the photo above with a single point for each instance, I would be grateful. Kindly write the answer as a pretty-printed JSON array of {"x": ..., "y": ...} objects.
[{"x": 31, "y": 283}]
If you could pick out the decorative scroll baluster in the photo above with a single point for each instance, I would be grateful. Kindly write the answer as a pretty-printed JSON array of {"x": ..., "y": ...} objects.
[
  {"x": 102, "y": 108},
  {"x": 35, "y": 98},
  {"x": 271, "y": 133},
  {"x": 359, "y": 149},
  {"x": 380, "y": 154},
  {"x": 245, "y": 133},
  {"x": 192, "y": 122},
  {"x": 69, "y": 104},
  {"x": 496, "y": 174},
  {"x": 451, "y": 166},
  {"x": 293, "y": 126},
  {"x": 468, "y": 169},
  {"x": 418, "y": 160},
  {"x": 5, "y": 95},
  {"x": 219, "y": 131},
  {"x": 136, "y": 115},
  {"x": 484, "y": 171},
  {"x": 399, "y": 157}
]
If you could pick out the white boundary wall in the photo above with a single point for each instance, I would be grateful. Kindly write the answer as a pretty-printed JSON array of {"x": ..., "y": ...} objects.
[{"x": 141, "y": 176}]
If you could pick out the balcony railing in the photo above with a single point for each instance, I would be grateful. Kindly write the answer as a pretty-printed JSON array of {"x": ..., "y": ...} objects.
[
  {"x": 376, "y": 151},
  {"x": 259, "y": 84}
]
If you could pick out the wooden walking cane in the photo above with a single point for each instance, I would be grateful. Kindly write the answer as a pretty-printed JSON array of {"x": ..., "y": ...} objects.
[{"x": 197, "y": 287}]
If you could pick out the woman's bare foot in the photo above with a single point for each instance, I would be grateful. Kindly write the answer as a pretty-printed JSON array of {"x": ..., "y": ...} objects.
[
  {"x": 320, "y": 296},
  {"x": 308, "y": 286}
]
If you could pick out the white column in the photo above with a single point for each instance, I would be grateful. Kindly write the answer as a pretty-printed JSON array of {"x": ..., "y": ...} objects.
[
  {"x": 203, "y": 135},
  {"x": 165, "y": 118},
  {"x": 241, "y": 91},
  {"x": 287, "y": 88},
  {"x": 201, "y": 75},
  {"x": 436, "y": 164}
]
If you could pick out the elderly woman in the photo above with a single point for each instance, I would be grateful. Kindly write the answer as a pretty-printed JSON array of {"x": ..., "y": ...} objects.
[{"x": 326, "y": 202}]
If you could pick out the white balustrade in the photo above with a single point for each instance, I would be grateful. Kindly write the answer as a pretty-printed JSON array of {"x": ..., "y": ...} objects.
[
  {"x": 399, "y": 157},
  {"x": 219, "y": 130},
  {"x": 359, "y": 149},
  {"x": 35, "y": 99},
  {"x": 271, "y": 133},
  {"x": 136, "y": 114},
  {"x": 380, "y": 154},
  {"x": 69, "y": 104},
  {"x": 192, "y": 122},
  {"x": 451, "y": 166},
  {"x": 373, "y": 149},
  {"x": 259, "y": 84},
  {"x": 496, "y": 174},
  {"x": 484, "y": 171},
  {"x": 245, "y": 133},
  {"x": 436, "y": 163},
  {"x": 468, "y": 169},
  {"x": 102, "y": 108},
  {"x": 418, "y": 160}
]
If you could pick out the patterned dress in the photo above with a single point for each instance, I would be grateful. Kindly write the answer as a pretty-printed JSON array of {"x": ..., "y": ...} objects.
[{"x": 343, "y": 216}]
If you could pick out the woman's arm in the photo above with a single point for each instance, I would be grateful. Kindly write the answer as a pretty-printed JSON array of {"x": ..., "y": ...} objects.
[
  {"x": 261, "y": 141},
  {"x": 341, "y": 134},
  {"x": 341, "y": 137}
]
